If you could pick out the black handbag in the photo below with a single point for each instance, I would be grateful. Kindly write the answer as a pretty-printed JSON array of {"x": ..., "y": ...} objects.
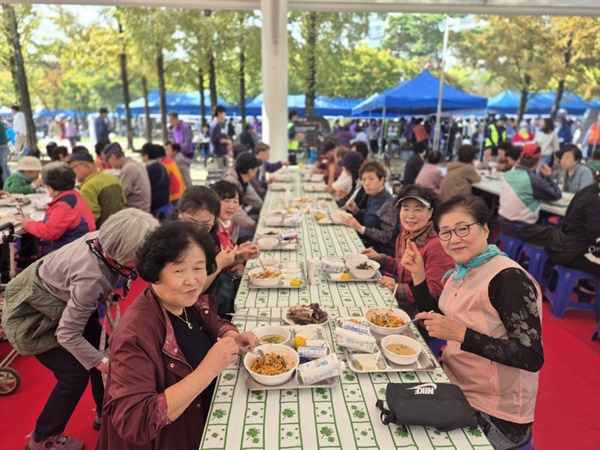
[
  {"x": 224, "y": 288},
  {"x": 443, "y": 406}
]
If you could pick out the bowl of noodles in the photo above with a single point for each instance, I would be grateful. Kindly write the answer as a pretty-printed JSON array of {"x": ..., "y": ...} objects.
[
  {"x": 279, "y": 365},
  {"x": 265, "y": 278},
  {"x": 385, "y": 322}
]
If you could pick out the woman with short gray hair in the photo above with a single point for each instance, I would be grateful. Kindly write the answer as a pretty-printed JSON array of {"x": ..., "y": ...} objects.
[
  {"x": 68, "y": 217},
  {"x": 51, "y": 312}
]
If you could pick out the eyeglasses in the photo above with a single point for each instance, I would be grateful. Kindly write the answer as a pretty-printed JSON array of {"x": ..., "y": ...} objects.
[{"x": 460, "y": 231}]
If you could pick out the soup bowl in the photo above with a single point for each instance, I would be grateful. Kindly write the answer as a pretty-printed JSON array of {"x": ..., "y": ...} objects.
[
  {"x": 406, "y": 342},
  {"x": 267, "y": 243},
  {"x": 385, "y": 331},
  {"x": 273, "y": 335},
  {"x": 265, "y": 282},
  {"x": 362, "y": 274},
  {"x": 291, "y": 357}
]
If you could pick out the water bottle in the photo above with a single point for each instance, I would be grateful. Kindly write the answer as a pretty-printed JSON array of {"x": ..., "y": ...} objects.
[
  {"x": 287, "y": 198},
  {"x": 313, "y": 155}
]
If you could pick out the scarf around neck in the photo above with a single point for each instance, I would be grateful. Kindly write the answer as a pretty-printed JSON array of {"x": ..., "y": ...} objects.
[
  {"x": 461, "y": 269},
  {"x": 128, "y": 273}
]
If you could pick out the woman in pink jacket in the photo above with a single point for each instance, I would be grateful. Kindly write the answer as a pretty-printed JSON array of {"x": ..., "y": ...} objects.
[{"x": 490, "y": 314}]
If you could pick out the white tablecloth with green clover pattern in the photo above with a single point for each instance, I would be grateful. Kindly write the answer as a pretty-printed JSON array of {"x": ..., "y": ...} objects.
[{"x": 342, "y": 417}]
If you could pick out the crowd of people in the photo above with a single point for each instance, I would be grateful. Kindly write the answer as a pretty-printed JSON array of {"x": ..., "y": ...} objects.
[{"x": 431, "y": 239}]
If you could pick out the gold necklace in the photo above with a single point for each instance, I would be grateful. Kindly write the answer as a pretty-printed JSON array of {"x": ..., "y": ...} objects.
[{"x": 189, "y": 324}]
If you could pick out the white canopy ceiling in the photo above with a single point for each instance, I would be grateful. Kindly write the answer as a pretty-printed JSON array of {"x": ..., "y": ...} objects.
[{"x": 500, "y": 7}]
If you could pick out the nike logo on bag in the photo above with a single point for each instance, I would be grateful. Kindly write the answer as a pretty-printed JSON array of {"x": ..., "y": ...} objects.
[{"x": 424, "y": 389}]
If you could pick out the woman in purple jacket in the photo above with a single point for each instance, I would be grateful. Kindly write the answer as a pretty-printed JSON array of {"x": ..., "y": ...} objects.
[{"x": 169, "y": 347}]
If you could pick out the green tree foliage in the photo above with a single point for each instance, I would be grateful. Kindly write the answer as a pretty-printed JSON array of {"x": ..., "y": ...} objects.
[
  {"x": 318, "y": 42},
  {"x": 415, "y": 36},
  {"x": 365, "y": 71},
  {"x": 514, "y": 49}
]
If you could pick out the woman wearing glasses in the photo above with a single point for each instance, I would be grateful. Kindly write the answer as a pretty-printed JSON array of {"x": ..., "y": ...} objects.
[{"x": 489, "y": 312}]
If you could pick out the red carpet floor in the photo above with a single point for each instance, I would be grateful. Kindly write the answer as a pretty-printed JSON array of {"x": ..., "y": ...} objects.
[{"x": 567, "y": 413}]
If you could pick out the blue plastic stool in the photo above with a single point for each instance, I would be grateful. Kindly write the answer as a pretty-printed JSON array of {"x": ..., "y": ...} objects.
[
  {"x": 536, "y": 261},
  {"x": 163, "y": 212},
  {"x": 560, "y": 297},
  {"x": 510, "y": 245}
]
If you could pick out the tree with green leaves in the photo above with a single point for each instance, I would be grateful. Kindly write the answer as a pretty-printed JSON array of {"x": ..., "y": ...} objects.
[
  {"x": 513, "y": 48},
  {"x": 323, "y": 40},
  {"x": 416, "y": 36},
  {"x": 12, "y": 33}
]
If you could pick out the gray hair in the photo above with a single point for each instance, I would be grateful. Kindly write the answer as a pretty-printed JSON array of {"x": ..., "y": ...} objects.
[
  {"x": 59, "y": 176},
  {"x": 124, "y": 232}
]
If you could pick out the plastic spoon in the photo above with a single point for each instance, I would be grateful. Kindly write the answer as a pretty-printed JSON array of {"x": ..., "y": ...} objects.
[{"x": 393, "y": 302}]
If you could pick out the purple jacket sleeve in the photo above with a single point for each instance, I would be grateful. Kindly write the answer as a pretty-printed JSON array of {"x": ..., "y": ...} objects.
[{"x": 272, "y": 167}]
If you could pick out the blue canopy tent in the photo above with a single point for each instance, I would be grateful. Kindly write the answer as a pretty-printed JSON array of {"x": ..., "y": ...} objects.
[
  {"x": 50, "y": 114},
  {"x": 323, "y": 105},
  {"x": 595, "y": 104},
  {"x": 507, "y": 102},
  {"x": 420, "y": 96},
  {"x": 181, "y": 102},
  {"x": 542, "y": 103}
]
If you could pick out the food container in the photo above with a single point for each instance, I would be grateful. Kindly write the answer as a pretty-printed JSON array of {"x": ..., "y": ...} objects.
[
  {"x": 273, "y": 220},
  {"x": 314, "y": 271},
  {"x": 268, "y": 233},
  {"x": 358, "y": 327},
  {"x": 320, "y": 369},
  {"x": 386, "y": 330},
  {"x": 312, "y": 352},
  {"x": 349, "y": 256},
  {"x": 336, "y": 265},
  {"x": 269, "y": 262},
  {"x": 265, "y": 282},
  {"x": 267, "y": 243},
  {"x": 269, "y": 333},
  {"x": 354, "y": 340},
  {"x": 403, "y": 341},
  {"x": 292, "y": 360},
  {"x": 362, "y": 274}
]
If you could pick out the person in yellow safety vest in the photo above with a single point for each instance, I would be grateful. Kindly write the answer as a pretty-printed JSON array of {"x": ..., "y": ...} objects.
[
  {"x": 293, "y": 138},
  {"x": 496, "y": 132}
]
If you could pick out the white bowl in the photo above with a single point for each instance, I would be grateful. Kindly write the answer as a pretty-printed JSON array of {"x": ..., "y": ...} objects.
[
  {"x": 265, "y": 282},
  {"x": 262, "y": 332},
  {"x": 273, "y": 220},
  {"x": 362, "y": 274},
  {"x": 386, "y": 331},
  {"x": 273, "y": 380},
  {"x": 268, "y": 233},
  {"x": 269, "y": 262},
  {"x": 404, "y": 340},
  {"x": 337, "y": 215},
  {"x": 267, "y": 243},
  {"x": 349, "y": 256}
]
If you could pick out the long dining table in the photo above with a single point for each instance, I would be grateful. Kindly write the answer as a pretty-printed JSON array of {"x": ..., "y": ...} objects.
[{"x": 339, "y": 417}]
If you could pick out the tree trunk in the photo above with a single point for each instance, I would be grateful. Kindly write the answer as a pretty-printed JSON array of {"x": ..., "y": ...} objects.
[
  {"x": 524, "y": 95},
  {"x": 160, "y": 68},
  {"x": 147, "y": 110},
  {"x": 561, "y": 83},
  {"x": 243, "y": 83},
  {"x": 311, "y": 43},
  {"x": 19, "y": 71},
  {"x": 212, "y": 79},
  {"x": 202, "y": 98},
  {"x": 126, "y": 97}
]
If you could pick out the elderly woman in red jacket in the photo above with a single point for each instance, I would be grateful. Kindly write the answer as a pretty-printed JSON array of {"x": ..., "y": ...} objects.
[
  {"x": 416, "y": 205},
  {"x": 169, "y": 347},
  {"x": 68, "y": 217}
]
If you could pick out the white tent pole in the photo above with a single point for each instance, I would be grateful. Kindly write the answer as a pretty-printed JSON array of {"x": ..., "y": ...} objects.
[
  {"x": 381, "y": 149},
  {"x": 438, "y": 116}
]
